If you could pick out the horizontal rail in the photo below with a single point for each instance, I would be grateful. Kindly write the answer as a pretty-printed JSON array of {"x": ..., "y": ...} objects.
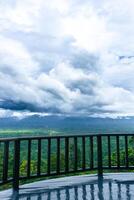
[
  {"x": 35, "y": 157},
  {"x": 61, "y": 136}
]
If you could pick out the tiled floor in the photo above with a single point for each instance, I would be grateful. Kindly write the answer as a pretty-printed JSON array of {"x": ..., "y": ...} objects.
[{"x": 87, "y": 187}]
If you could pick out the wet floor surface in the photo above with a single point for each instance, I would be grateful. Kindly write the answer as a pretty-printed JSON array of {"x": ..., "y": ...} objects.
[{"x": 88, "y": 187}]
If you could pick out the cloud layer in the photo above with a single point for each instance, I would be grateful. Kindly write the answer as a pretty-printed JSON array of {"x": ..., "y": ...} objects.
[{"x": 67, "y": 57}]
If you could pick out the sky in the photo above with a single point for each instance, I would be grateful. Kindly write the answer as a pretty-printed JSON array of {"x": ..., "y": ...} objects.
[{"x": 67, "y": 57}]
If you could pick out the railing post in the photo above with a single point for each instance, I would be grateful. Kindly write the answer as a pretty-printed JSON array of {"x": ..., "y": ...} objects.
[
  {"x": 99, "y": 148},
  {"x": 16, "y": 165}
]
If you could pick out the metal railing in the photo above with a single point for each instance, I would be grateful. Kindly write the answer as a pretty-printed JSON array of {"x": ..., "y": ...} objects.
[{"x": 84, "y": 152}]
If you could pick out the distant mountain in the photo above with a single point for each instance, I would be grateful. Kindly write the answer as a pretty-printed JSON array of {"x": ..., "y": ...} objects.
[{"x": 70, "y": 123}]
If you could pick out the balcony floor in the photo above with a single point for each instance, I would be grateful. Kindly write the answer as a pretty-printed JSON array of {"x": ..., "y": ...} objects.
[{"x": 117, "y": 186}]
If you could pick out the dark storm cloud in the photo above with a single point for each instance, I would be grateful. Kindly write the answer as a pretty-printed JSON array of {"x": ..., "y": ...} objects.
[
  {"x": 17, "y": 106},
  {"x": 23, "y": 106}
]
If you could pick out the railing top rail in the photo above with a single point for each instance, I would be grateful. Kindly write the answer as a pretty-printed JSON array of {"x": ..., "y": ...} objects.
[{"x": 61, "y": 136}]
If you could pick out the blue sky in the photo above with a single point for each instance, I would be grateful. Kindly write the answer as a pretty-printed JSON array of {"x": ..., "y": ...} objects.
[{"x": 67, "y": 57}]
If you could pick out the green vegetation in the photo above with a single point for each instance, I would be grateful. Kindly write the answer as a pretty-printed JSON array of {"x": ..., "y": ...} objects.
[{"x": 28, "y": 132}]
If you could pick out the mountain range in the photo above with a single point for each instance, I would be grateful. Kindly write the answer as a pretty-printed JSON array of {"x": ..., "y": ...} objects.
[{"x": 70, "y": 123}]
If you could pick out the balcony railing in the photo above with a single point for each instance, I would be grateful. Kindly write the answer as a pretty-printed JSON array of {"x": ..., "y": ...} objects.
[{"x": 71, "y": 154}]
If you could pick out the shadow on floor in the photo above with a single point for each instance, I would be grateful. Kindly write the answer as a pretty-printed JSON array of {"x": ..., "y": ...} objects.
[{"x": 96, "y": 190}]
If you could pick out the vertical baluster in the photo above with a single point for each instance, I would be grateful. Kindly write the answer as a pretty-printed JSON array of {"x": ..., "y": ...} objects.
[
  {"x": 118, "y": 151},
  {"x": 58, "y": 155},
  {"x": 83, "y": 153},
  {"x": 75, "y": 154},
  {"x": 5, "y": 160},
  {"x": 99, "y": 149},
  {"x": 66, "y": 154},
  {"x": 126, "y": 151},
  {"x": 109, "y": 151},
  {"x": 91, "y": 152},
  {"x": 29, "y": 158},
  {"x": 49, "y": 157},
  {"x": 39, "y": 158},
  {"x": 16, "y": 164}
]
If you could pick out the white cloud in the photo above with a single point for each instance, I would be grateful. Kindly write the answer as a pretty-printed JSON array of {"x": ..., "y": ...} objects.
[
  {"x": 89, "y": 30},
  {"x": 65, "y": 56}
]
